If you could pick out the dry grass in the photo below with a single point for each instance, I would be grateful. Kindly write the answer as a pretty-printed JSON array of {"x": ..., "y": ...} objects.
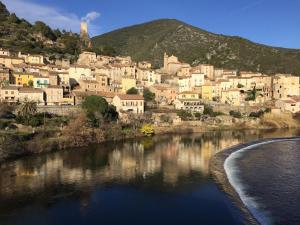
[{"x": 284, "y": 120}]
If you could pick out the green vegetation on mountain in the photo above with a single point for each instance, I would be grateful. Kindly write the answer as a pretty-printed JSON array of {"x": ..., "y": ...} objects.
[
  {"x": 149, "y": 41},
  {"x": 19, "y": 35}
]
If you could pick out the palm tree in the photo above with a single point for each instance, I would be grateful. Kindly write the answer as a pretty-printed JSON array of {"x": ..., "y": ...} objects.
[{"x": 28, "y": 108}]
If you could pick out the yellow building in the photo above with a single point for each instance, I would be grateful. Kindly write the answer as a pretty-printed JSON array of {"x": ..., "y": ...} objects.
[
  {"x": 285, "y": 85},
  {"x": 208, "y": 91},
  {"x": 23, "y": 79},
  {"x": 128, "y": 83}
]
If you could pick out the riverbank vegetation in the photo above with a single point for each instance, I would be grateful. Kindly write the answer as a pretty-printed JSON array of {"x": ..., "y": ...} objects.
[{"x": 25, "y": 130}]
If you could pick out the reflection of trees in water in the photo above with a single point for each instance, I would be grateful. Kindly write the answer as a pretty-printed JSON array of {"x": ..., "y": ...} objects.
[{"x": 167, "y": 158}]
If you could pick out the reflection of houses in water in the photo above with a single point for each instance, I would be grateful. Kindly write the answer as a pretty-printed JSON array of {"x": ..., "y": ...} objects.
[{"x": 171, "y": 158}]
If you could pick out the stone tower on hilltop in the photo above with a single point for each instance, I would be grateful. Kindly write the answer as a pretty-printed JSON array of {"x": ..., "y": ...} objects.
[
  {"x": 84, "y": 34},
  {"x": 84, "y": 29}
]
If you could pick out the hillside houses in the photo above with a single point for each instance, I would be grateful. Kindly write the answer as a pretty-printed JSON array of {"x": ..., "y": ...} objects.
[{"x": 26, "y": 77}]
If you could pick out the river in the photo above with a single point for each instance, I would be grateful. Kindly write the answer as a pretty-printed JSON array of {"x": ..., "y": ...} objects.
[
  {"x": 266, "y": 176},
  {"x": 159, "y": 180}
]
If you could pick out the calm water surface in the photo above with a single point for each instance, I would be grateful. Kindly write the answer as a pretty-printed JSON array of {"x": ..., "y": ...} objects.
[{"x": 164, "y": 180}]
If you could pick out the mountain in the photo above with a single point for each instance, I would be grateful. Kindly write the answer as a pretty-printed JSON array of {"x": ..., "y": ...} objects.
[
  {"x": 150, "y": 40},
  {"x": 19, "y": 35}
]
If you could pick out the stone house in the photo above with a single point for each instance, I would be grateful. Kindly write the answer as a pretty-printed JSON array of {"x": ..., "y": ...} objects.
[
  {"x": 80, "y": 72},
  {"x": 9, "y": 94},
  {"x": 53, "y": 95},
  {"x": 285, "y": 85},
  {"x": 129, "y": 103},
  {"x": 189, "y": 101},
  {"x": 9, "y": 61},
  {"x": 231, "y": 97},
  {"x": 291, "y": 104},
  {"x": 164, "y": 94},
  {"x": 31, "y": 94}
]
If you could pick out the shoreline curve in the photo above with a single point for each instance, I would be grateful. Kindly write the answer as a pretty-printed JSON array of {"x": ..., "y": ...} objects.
[{"x": 224, "y": 174}]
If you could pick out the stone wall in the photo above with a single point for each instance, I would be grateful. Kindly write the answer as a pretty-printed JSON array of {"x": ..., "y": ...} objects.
[{"x": 60, "y": 110}]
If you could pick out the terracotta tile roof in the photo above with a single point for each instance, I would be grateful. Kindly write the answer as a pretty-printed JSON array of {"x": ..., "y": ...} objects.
[
  {"x": 30, "y": 90},
  {"x": 88, "y": 81},
  {"x": 54, "y": 87},
  {"x": 80, "y": 66},
  {"x": 130, "y": 97},
  {"x": 36, "y": 64},
  {"x": 39, "y": 76},
  {"x": 106, "y": 94},
  {"x": 289, "y": 101},
  {"x": 26, "y": 74},
  {"x": 296, "y": 98},
  {"x": 10, "y": 88},
  {"x": 189, "y": 93},
  {"x": 10, "y": 57}
]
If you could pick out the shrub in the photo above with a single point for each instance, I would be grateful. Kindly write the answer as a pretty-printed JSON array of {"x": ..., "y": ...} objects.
[
  {"x": 216, "y": 99},
  {"x": 6, "y": 110},
  {"x": 218, "y": 114},
  {"x": 147, "y": 130},
  {"x": 197, "y": 115},
  {"x": 132, "y": 91},
  {"x": 184, "y": 115},
  {"x": 148, "y": 95},
  {"x": 268, "y": 110},
  {"x": 165, "y": 118},
  {"x": 4, "y": 124},
  {"x": 235, "y": 114},
  {"x": 251, "y": 95},
  {"x": 36, "y": 121},
  {"x": 279, "y": 121},
  {"x": 240, "y": 86},
  {"x": 44, "y": 30},
  {"x": 208, "y": 110},
  {"x": 257, "y": 114},
  {"x": 98, "y": 110}
]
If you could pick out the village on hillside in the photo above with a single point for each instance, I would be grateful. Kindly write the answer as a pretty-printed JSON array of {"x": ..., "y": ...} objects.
[{"x": 123, "y": 83}]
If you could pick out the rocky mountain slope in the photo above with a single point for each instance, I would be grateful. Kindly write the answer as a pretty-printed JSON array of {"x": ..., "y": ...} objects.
[{"x": 149, "y": 41}]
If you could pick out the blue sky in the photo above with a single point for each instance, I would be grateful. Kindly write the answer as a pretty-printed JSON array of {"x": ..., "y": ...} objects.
[{"x": 272, "y": 22}]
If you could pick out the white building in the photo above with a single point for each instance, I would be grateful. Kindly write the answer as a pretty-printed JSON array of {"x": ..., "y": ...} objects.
[
  {"x": 190, "y": 82},
  {"x": 129, "y": 103},
  {"x": 31, "y": 94},
  {"x": 4, "y": 52},
  {"x": 80, "y": 72}
]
